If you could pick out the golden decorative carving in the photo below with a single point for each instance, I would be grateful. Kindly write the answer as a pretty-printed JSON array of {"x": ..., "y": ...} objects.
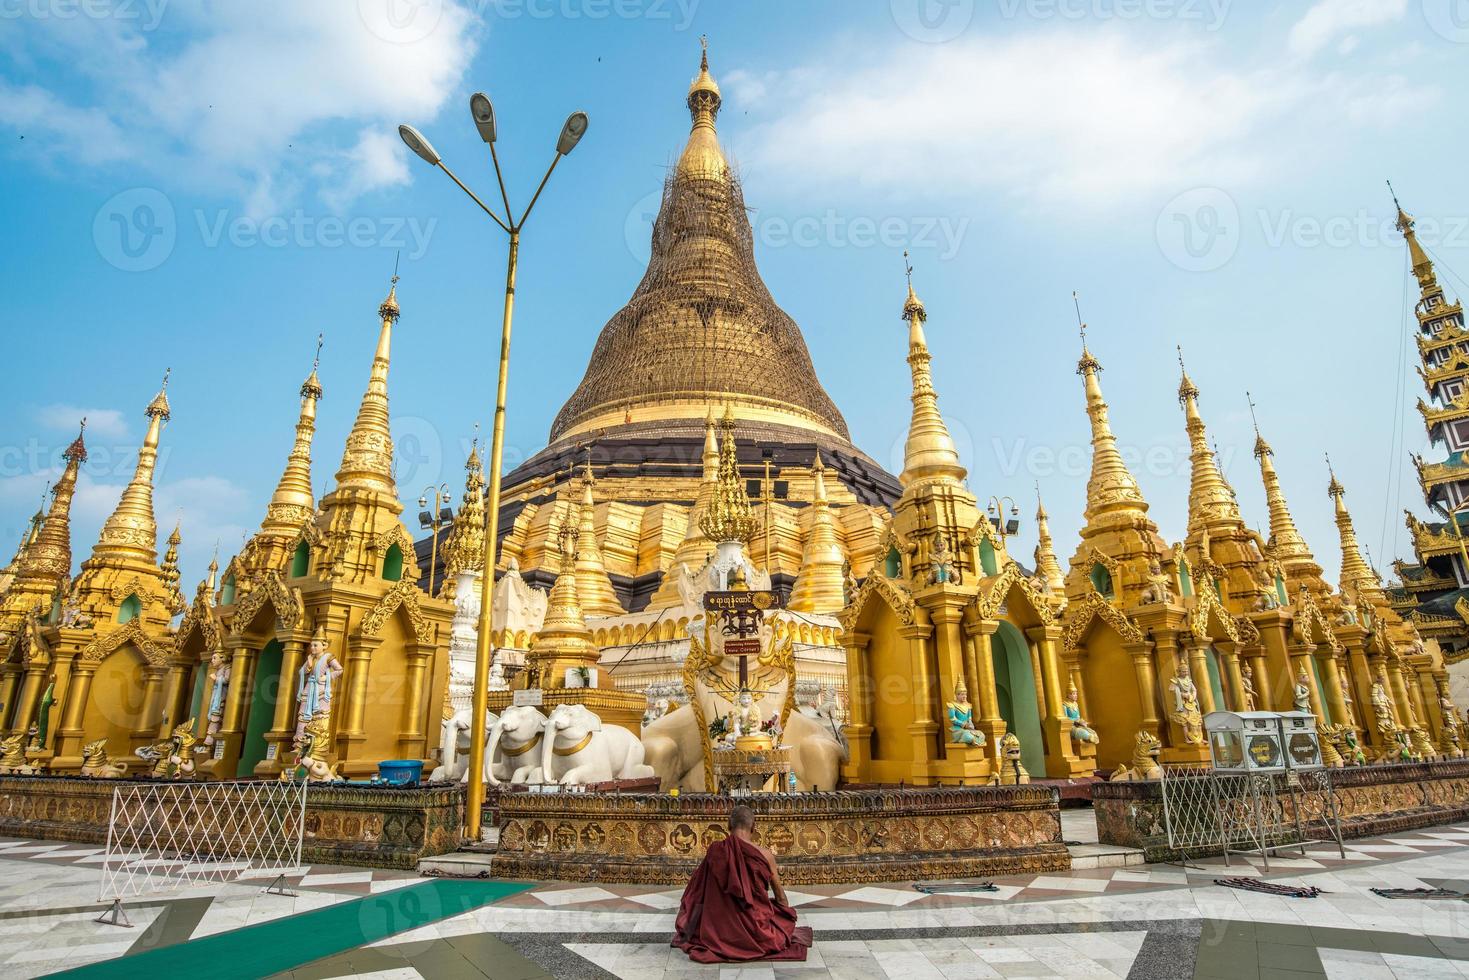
[
  {"x": 1093, "y": 605},
  {"x": 987, "y": 604},
  {"x": 405, "y": 595},
  {"x": 895, "y": 595},
  {"x": 130, "y": 632},
  {"x": 270, "y": 587}
]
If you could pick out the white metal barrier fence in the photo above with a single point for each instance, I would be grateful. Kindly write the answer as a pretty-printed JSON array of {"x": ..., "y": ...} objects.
[
  {"x": 1208, "y": 810},
  {"x": 166, "y": 836}
]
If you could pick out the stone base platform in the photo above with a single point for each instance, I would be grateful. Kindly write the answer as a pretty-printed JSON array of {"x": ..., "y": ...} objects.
[
  {"x": 1372, "y": 801},
  {"x": 366, "y": 826},
  {"x": 821, "y": 838}
]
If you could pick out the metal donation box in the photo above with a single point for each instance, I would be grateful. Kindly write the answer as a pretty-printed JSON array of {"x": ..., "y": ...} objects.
[
  {"x": 1244, "y": 741},
  {"x": 1299, "y": 739}
]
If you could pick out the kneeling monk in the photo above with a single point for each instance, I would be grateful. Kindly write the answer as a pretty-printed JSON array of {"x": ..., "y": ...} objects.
[{"x": 727, "y": 914}]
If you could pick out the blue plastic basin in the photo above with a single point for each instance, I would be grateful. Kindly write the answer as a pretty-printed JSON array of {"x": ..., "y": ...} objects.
[{"x": 401, "y": 772}]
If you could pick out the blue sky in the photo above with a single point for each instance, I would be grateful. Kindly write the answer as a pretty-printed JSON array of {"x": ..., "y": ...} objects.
[{"x": 207, "y": 185}]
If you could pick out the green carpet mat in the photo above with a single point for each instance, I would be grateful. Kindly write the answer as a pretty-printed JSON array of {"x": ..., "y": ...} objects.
[{"x": 287, "y": 942}]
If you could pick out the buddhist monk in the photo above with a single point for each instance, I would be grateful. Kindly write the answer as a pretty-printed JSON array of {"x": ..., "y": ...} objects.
[{"x": 728, "y": 913}]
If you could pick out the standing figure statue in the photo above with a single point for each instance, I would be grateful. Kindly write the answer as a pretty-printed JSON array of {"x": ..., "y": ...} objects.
[
  {"x": 315, "y": 682},
  {"x": 941, "y": 560},
  {"x": 1302, "y": 694},
  {"x": 1186, "y": 714},
  {"x": 1346, "y": 695},
  {"x": 1071, "y": 708},
  {"x": 219, "y": 685},
  {"x": 1247, "y": 681},
  {"x": 849, "y": 582},
  {"x": 960, "y": 714}
]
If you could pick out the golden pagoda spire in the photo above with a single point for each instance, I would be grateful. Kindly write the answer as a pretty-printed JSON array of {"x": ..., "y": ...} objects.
[
  {"x": 929, "y": 452},
  {"x": 367, "y": 461},
  {"x": 27, "y": 538},
  {"x": 292, "y": 504},
  {"x": 464, "y": 550},
  {"x": 1046, "y": 564},
  {"x": 563, "y": 640},
  {"x": 702, "y": 157},
  {"x": 1210, "y": 499},
  {"x": 170, "y": 567},
  {"x": 1111, "y": 489},
  {"x": 47, "y": 563},
  {"x": 593, "y": 585},
  {"x": 819, "y": 585},
  {"x": 131, "y": 532},
  {"x": 1289, "y": 547},
  {"x": 1422, "y": 267},
  {"x": 1357, "y": 577},
  {"x": 728, "y": 517},
  {"x": 694, "y": 547}
]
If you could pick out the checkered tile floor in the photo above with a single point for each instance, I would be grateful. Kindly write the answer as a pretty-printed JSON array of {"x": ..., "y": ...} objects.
[{"x": 1146, "y": 921}]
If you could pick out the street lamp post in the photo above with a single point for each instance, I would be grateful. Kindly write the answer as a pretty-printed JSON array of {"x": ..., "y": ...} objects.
[
  {"x": 571, "y": 133},
  {"x": 1004, "y": 526},
  {"x": 434, "y": 520}
]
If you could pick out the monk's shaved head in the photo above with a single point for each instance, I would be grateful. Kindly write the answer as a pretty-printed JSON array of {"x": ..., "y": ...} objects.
[{"x": 741, "y": 818}]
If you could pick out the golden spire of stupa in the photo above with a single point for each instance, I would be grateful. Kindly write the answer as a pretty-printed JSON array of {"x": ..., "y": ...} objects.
[
  {"x": 563, "y": 640},
  {"x": 170, "y": 567},
  {"x": 131, "y": 532},
  {"x": 27, "y": 538},
  {"x": 367, "y": 462},
  {"x": 1422, "y": 267},
  {"x": 1210, "y": 499},
  {"x": 1289, "y": 547},
  {"x": 464, "y": 550},
  {"x": 929, "y": 452},
  {"x": 1357, "y": 577},
  {"x": 292, "y": 504},
  {"x": 818, "y": 587},
  {"x": 702, "y": 157},
  {"x": 728, "y": 517},
  {"x": 694, "y": 547},
  {"x": 593, "y": 585},
  {"x": 1046, "y": 564},
  {"x": 1111, "y": 488}
]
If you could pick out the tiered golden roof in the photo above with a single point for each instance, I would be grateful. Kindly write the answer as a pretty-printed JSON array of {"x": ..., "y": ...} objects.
[
  {"x": 464, "y": 549},
  {"x": 819, "y": 585},
  {"x": 43, "y": 570},
  {"x": 729, "y": 517},
  {"x": 928, "y": 453},
  {"x": 701, "y": 328},
  {"x": 1286, "y": 543},
  {"x": 131, "y": 533}
]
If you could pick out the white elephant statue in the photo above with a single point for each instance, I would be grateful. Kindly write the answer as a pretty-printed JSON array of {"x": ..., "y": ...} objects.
[
  {"x": 672, "y": 746},
  {"x": 579, "y": 749},
  {"x": 818, "y": 747},
  {"x": 454, "y": 736},
  {"x": 511, "y": 755}
]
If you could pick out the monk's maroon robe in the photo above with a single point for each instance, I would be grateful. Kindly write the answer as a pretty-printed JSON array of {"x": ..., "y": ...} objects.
[{"x": 727, "y": 914}]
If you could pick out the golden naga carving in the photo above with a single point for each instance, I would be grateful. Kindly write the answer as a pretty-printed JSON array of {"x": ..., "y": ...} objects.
[
  {"x": 130, "y": 632},
  {"x": 1145, "y": 749},
  {"x": 987, "y": 604},
  {"x": 271, "y": 588},
  {"x": 898, "y": 598},
  {"x": 134, "y": 586},
  {"x": 97, "y": 765},
  {"x": 1093, "y": 606},
  {"x": 1206, "y": 601},
  {"x": 402, "y": 595}
]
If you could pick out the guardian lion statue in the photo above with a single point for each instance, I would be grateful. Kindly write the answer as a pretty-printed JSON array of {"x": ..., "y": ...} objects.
[{"x": 1145, "y": 749}]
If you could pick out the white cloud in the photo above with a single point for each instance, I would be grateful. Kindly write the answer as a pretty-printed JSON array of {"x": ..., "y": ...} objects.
[
  {"x": 102, "y": 423},
  {"x": 1081, "y": 120},
  {"x": 245, "y": 97},
  {"x": 1329, "y": 20}
]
